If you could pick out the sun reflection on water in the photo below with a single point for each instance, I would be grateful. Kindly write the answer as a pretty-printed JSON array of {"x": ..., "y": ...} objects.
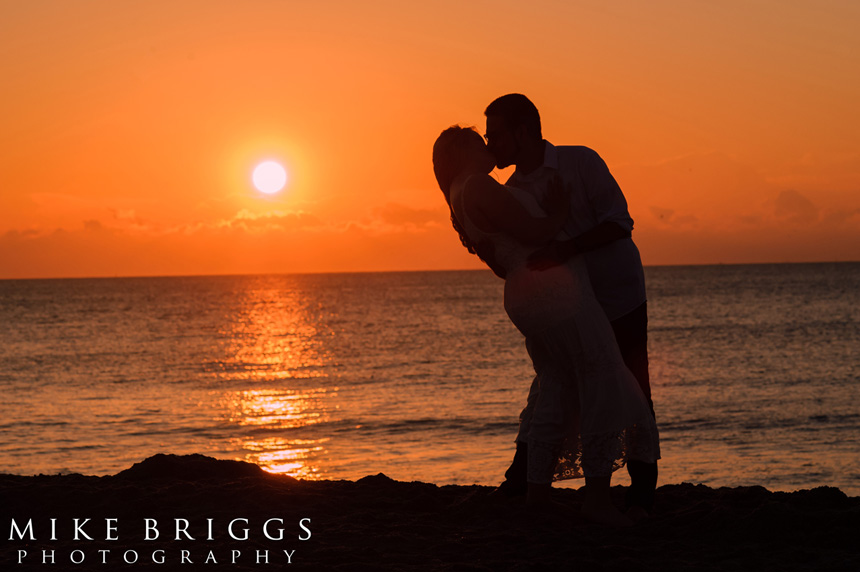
[
  {"x": 275, "y": 407},
  {"x": 270, "y": 422},
  {"x": 273, "y": 345}
]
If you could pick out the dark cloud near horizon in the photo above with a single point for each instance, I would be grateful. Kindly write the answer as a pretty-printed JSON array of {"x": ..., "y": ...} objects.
[
  {"x": 795, "y": 207},
  {"x": 400, "y": 215}
]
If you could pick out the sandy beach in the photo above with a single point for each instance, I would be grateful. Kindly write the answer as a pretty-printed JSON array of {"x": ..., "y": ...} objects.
[{"x": 194, "y": 512}]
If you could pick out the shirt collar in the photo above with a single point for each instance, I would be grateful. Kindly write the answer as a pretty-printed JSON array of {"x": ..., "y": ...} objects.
[
  {"x": 550, "y": 161},
  {"x": 550, "y": 155}
]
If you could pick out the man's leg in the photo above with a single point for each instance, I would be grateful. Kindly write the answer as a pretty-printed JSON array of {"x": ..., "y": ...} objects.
[{"x": 631, "y": 333}]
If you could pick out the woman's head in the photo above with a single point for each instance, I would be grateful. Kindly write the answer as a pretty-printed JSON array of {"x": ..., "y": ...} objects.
[{"x": 455, "y": 149}]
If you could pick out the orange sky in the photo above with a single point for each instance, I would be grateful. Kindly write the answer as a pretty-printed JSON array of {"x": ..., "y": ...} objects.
[{"x": 130, "y": 129}]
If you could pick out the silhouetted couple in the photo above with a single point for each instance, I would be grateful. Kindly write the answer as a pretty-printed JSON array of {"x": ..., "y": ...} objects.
[{"x": 559, "y": 233}]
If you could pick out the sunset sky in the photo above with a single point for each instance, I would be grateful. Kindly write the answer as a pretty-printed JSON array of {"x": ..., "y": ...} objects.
[{"x": 131, "y": 128}]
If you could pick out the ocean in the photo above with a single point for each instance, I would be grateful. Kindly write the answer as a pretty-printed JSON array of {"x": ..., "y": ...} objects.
[{"x": 418, "y": 375}]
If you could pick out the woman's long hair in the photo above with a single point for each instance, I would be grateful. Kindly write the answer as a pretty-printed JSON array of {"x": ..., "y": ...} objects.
[{"x": 446, "y": 166}]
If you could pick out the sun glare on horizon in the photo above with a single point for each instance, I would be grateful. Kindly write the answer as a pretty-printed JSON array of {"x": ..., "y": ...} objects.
[{"x": 269, "y": 177}]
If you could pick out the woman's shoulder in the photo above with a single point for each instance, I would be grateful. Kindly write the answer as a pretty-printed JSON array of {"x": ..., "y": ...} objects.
[
  {"x": 480, "y": 183},
  {"x": 487, "y": 194},
  {"x": 474, "y": 195},
  {"x": 478, "y": 189}
]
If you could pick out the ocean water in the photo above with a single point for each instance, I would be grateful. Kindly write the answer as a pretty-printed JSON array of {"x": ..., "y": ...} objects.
[{"x": 418, "y": 375}]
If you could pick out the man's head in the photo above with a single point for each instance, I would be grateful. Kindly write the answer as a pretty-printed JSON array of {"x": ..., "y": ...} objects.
[{"x": 513, "y": 129}]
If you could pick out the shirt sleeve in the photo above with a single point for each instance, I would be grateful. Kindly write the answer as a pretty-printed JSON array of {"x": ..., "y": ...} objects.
[{"x": 604, "y": 195}]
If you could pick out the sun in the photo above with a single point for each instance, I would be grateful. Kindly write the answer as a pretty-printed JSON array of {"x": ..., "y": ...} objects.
[{"x": 269, "y": 177}]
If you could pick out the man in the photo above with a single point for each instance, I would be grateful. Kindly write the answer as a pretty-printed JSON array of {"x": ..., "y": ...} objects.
[{"x": 601, "y": 226}]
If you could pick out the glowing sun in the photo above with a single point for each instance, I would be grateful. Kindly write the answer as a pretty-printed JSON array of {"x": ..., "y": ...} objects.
[{"x": 269, "y": 177}]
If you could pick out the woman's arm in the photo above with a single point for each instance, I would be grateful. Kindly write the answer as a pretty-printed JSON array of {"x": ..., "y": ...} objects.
[{"x": 494, "y": 209}]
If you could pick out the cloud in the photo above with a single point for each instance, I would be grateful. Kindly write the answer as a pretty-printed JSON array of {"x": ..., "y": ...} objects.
[
  {"x": 841, "y": 217},
  {"x": 256, "y": 222},
  {"x": 395, "y": 214},
  {"x": 795, "y": 207},
  {"x": 712, "y": 208},
  {"x": 839, "y": 172},
  {"x": 779, "y": 225},
  {"x": 714, "y": 192},
  {"x": 246, "y": 243},
  {"x": 707, "y": 190},
  {"x": 666, "y": 217},
  {"x": 93, "y": 226},
  {"x": 661, "y": 214},
  {"x": 129, "y": 218}
]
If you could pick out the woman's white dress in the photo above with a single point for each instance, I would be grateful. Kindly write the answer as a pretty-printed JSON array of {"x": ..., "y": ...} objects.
[{"x": 590, "y": 414}]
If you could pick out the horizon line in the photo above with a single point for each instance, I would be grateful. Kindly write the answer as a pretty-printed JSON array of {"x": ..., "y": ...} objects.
[{"x": 404, "y": 271}]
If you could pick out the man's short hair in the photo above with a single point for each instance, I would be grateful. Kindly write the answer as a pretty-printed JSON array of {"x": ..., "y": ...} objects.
[{"x": 516, "y": 109}]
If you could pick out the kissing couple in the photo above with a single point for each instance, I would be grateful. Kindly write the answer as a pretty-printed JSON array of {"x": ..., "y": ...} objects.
[{"x": 559, "y": 234}]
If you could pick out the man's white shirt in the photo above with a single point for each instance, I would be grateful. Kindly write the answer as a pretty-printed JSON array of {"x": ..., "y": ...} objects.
[{"x": 615, "y": 269}]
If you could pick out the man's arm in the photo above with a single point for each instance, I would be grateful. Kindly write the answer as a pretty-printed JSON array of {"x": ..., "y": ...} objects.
[
  {"x": 559, "y": 252},
  {"x": 604, "y": 233},
  {"x": 608, "y": 206}
]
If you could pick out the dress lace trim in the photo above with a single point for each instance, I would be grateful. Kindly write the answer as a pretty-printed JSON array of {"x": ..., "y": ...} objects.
[{"x": 593, "y": 455}]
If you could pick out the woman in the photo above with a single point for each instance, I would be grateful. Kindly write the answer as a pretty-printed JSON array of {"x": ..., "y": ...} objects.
[{"x": 590, "y": 415}]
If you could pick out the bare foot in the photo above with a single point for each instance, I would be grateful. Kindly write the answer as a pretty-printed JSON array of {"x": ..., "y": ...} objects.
[
  {"x": 637, "y": 513},
  {"x": 607, "y": 514},
  {"x": 509, "y": 490}
]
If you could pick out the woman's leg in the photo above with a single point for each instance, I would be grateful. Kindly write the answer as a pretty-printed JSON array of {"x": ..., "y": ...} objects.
[{"x": 554, "y": 405}]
